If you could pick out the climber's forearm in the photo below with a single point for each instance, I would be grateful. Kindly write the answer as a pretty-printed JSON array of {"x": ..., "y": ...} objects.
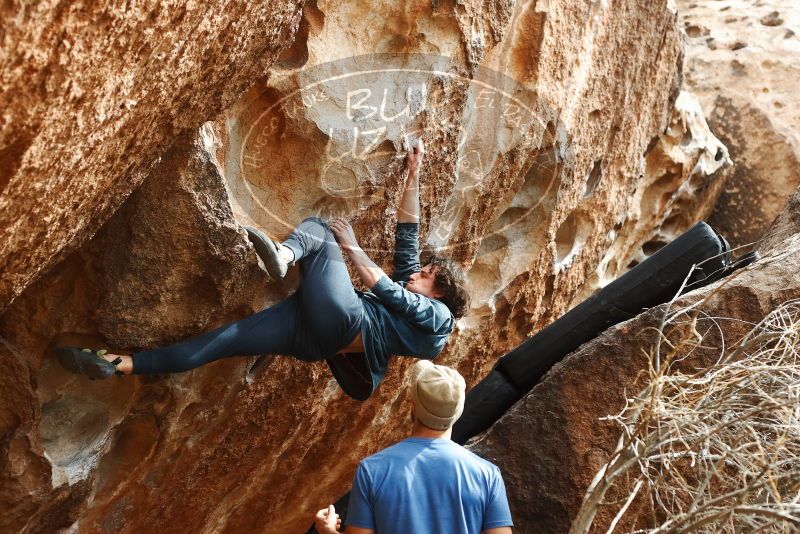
[
  {"x": 409, "y": 205},
  {"x": 367, "y": 270}
]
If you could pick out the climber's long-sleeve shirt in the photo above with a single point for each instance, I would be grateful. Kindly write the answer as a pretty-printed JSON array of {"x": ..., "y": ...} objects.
[{"x": 397, "y": 321}]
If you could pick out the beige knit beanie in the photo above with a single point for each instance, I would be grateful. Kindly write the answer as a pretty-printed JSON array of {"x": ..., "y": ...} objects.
[{"x": 438, "y": 394}]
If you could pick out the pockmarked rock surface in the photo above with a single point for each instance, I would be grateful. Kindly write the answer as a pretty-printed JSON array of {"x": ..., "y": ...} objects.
[
  {"x": 560, "y": 150},
  {"x": 93, "y": 92},
  {"x": 550, "y": 444},
  {"x": 743, "y": 63}
]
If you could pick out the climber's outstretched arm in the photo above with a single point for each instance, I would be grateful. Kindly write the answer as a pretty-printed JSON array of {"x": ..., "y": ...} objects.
[
  {"x": 367, "y": 270},
  {"x": 409, "y": 205}
]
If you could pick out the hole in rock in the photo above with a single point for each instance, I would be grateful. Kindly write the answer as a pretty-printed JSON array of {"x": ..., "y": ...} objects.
[
  {"x": 652, "y": 246},
  {"x": 11, "y": 159},
  {"x": 296, "y": 55},
  {"x": 651, "y": 145},
  {"x": 519, "y": 323},
  {"x": 257, "y": 367},
  {"x": 501, "y": 314},
  {"x": 672, "y": 224},
  {"x": 686, "y": 138},
  {"x": 541, "y": 183},
  {"x": 78, "y": 414},
  {"x": 545, "y": 310},
  {"x": 512, "y": 216},
  {"x": 659, "y": 193},
  {"x": 314, "y": 15},
  {"x": 570, "y": 236},
  {"x": 492, "y": 243},
  {"x": 550, "y": 132},
  {"x": 694, "y": 31},
  {"x": 698, "y": 181},
  {"x": 486, "y": 274},
  {"x": 385, "y": 148},
  {"x": 519, "y": 232},
  {"x": 594, "y": 179},
  {"x": 547, "y": 297}
]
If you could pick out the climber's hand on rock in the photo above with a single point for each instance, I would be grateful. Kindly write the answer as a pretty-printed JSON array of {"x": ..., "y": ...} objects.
[
  {"x": 414, "y": 156},
  {"x": 367, "y": 270},
  {"x": 327, "y": 521},
  {"x": 344, "y": 234}
]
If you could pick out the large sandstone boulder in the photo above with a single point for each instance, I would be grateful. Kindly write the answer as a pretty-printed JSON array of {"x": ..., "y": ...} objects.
[
  {"x": 93, "y": 93},
  {"x": 551, "y": 444},
  {"x": 609, "y": 162},
  {"x": 743, "y": 63}
]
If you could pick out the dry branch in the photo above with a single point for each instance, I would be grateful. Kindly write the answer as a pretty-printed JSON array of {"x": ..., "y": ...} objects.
[{"x": 711, "y": 451}]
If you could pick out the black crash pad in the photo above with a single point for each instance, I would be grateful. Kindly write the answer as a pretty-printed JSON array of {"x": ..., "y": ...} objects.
[{"x": 654, "y": 281}]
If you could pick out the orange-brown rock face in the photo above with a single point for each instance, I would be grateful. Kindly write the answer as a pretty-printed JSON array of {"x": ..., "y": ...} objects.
[
  {"x": 93, "y": 92},
  {"x": 559, "y": 151},
  {"x": 743, "y": 63}
]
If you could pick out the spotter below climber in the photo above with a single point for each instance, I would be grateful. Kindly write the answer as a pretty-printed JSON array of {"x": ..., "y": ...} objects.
[{"x": 410, "y": 314}]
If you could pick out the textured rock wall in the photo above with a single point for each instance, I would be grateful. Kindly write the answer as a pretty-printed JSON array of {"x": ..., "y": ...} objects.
[
  {"x": 552, "y": 443},
  {"x": 168, "y": 263},
  {"x": 93, "y": 92},
  {"x": 743, "y": 63},
  {"x": 609, "y": 162}
]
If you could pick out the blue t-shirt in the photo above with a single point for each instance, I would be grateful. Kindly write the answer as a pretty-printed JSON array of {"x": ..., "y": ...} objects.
[{"x": 428, "y": 485}]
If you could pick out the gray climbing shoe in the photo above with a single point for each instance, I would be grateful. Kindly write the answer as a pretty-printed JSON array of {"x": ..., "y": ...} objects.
[
  {"x": 267, "y": 250},
  {"x": 87, "y": 362}
]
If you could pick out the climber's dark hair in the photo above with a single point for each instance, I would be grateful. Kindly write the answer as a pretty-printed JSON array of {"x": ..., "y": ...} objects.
[{"x": 452, "y": 282}]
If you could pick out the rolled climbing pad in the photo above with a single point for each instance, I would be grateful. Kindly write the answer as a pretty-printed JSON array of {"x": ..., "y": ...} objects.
[{"x": 695, "y": 258}]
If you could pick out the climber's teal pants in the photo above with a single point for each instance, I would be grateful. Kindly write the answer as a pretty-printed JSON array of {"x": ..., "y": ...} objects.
[{"x": 320, "y": 318}]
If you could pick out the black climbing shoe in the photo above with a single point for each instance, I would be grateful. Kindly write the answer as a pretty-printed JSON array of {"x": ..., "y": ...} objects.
[
  {"x": 87, "y": 362},
  {"x": 268, "y": 251}
]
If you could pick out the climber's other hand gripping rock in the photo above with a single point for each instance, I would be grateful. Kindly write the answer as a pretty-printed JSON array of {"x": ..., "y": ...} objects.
[
  {"x": 344, "y": 234},
  {"x": 414, "y": 156}
]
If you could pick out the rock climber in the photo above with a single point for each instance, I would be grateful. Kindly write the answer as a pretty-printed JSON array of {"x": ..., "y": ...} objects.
[
  {"x": 427, "y": 482},
  {"x": 410, "y": 314}
]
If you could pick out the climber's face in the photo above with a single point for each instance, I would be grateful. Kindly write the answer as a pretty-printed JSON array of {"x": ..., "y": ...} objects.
[{"x": 424, "y": 282}]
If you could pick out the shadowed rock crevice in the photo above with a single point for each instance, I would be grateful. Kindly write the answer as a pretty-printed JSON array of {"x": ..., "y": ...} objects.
[
  {"x": 594, "y": 179},
  {"x": 296, "y": 56},
  {"x": 570, "y": 236},
  {"x": 11, "y": 158}
]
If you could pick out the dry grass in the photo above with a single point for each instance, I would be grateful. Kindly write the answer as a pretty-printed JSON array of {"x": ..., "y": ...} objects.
[{"x": 710, "y": 451}]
